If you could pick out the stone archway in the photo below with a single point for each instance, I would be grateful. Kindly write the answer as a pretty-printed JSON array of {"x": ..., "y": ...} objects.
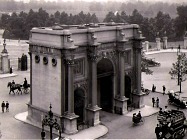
[
  {"x": 79, "y": 99},
  {"x": 128, "y": 88},
  {"x": 105, "y": 76}
]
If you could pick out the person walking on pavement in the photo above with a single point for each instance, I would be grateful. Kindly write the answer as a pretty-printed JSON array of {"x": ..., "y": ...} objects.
[
  {"x": 153, "y": 101},
  {"x": 164, "y": 89},
  {"x": 7, "y": 106},
  {"x": 3, "y": 106},
  {"x": 157, "y": 131},
  {"x": 157, "y": 102},
  {"x": 153, "y": 88}
]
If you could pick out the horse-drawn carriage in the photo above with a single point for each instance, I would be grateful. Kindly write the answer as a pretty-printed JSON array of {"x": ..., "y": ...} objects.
[
  {"x": 18, "y": 88},
  {"x": 137, "y": 119},
  {"x": 171, "y": 125}
]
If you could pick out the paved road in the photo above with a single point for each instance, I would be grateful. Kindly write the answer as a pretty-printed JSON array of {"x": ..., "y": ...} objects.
[{"x": 10, "y": 127}]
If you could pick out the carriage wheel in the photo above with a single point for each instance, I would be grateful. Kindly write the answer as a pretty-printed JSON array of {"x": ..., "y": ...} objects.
[
  {"x": 26, "y": 90},
  {"x": 140, "y": 122}
]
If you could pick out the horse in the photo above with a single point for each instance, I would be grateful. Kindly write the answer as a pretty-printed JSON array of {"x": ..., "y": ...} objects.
[{"x": 14, "y": 87}]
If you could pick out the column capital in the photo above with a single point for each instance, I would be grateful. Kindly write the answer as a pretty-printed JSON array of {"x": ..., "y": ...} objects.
[
  {"x": 69, "y": 60},
  {"x": 121, "y": 52},
  {"x": 93, "y": 56}
]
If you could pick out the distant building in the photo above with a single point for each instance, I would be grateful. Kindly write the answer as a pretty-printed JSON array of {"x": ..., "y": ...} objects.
[{"x": 82, "y": 70}]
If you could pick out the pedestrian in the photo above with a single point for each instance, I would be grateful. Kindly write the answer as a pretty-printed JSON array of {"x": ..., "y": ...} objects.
[
  {"x": 153, "y": 101},
  {"x": 166, "y": 108},
  {"x": 157, "y": 102},
  {"x": 3, "y": 106},
  {"x": 153, "y": 88},
  {"x": 7, "y": 106},
  {"x": 164, "y": 89},
  {"x": 11, "y": 70},
  {"x": 157, "y": 131}
]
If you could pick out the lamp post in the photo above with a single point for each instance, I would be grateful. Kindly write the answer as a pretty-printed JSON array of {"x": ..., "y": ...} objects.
[
  {"x": 52, "y": 123},
  {"x": 179, "y": 67},
  {"x": 4, "y": 45}
]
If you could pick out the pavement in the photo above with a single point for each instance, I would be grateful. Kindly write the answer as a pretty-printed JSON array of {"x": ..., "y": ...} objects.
[
  {"x": 8, "y": 75},
  {"x": 94, "y": 132},
  {"x": 98, "y": 130}
]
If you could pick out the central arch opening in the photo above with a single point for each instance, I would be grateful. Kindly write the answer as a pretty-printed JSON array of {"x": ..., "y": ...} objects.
[{"x": 105, "y": 74}]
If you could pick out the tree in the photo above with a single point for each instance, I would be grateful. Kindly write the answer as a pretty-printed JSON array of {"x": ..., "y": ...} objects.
[
  {"x": 181, "y": 22},
  {"x": 136, "y": 17},
  {"x": 163, "y": 22},
  {"x": 109, "y": 17},
  {"x": 179, "y": 68}
]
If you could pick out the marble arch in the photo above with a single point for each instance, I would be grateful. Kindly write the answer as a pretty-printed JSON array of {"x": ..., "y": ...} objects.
[{"x": 72, "y": 54}]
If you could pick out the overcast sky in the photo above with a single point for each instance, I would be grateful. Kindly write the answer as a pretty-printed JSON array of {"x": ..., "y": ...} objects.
[{"x": 170, "y": 1}]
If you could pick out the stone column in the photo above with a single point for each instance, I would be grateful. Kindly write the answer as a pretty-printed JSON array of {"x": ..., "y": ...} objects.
[
  {"x": 158, "y": 43},
  {"x": 165, "y": 42},
  {"x": 137, "y": 94},
  {"x": 70, "y": 64},
  {"x": 122, "y": 68},
  {"x": 121, "y": 101},
  {"x": 70, "y": 119},
  {"x": 93, "y": 109}
]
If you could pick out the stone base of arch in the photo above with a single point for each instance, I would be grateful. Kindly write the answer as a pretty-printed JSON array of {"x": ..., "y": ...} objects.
[
  {"x": 93, "y": 117},
  {"x": 138, "y": 100},
  {"x": 70, "y": 123},
  {"x": 120, "y": 105}
]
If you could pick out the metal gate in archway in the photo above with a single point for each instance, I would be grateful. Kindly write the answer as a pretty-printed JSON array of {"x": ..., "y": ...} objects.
[
  {"x": 79, "y": 103},
  {"x": 105, "y": 75},
  {"x": 128, "y": 89}
]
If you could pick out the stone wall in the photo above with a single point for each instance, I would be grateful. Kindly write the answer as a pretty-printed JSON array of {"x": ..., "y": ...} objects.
[
  {"x": 45, "y": 82},
  {"x": 170, "y": 45}
]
